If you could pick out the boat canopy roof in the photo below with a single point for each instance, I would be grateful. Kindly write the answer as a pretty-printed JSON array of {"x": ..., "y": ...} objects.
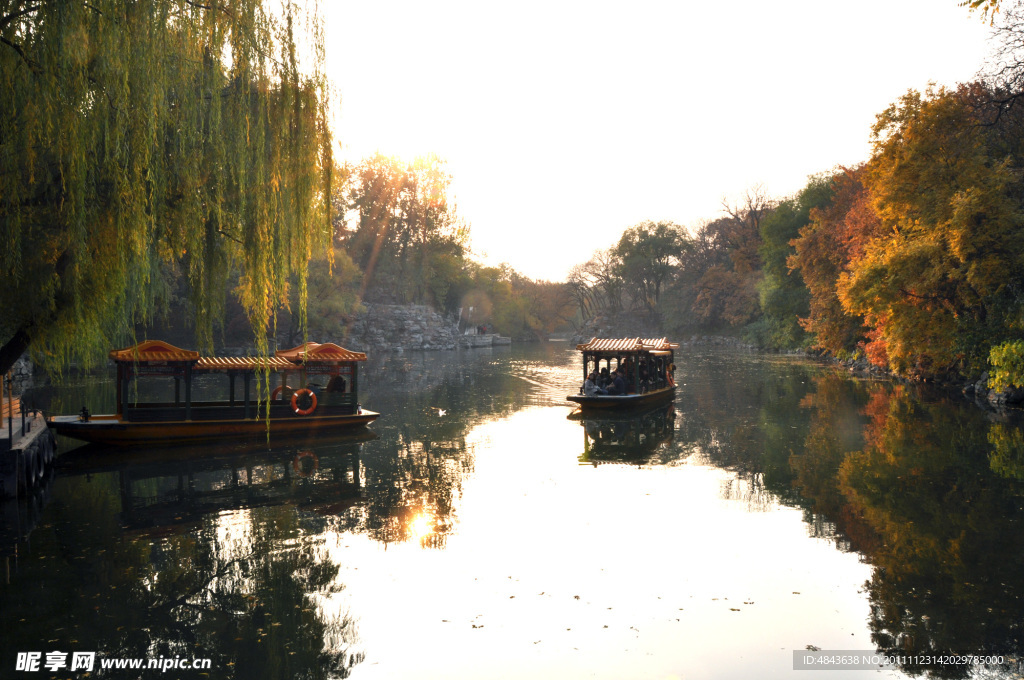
[
  {"x": 158, "y": 352},
  {"x": 656, "y": 346},
  {"x": 315, "y": 351}
]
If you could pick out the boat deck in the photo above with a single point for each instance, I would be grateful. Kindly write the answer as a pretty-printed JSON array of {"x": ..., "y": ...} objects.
[
  {"x": 623, "y": 401},
  {"x": 110, "y": 429}
]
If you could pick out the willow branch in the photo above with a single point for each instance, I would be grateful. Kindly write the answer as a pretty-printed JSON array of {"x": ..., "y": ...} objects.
[
  {"x": 21, "y": 53},
  {"x": 9, "y": 19}
]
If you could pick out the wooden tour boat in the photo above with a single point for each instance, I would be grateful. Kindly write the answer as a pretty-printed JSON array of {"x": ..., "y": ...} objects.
[
  {"x": 315, "y": 394},
  {"x": 647, "y": 363}
]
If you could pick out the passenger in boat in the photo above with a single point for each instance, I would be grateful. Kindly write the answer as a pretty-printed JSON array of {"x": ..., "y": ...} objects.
[
  {"x": 605, "y": 379},
  {"x": 629, "y": 375},
  {"x": 591, "y": 387},
  {"x": 336, "y": 384},
  {"x": 618, "y": 385}
]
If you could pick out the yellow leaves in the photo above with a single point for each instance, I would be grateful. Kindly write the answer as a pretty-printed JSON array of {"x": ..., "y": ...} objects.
[
  {"x": 1007, "y": 361},
  {"x": 952, "y": 222}
]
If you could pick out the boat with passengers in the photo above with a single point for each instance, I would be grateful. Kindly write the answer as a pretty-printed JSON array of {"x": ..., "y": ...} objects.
[
  {"x": 314, "y": 392},
  {"x": 645, "y": 367}
]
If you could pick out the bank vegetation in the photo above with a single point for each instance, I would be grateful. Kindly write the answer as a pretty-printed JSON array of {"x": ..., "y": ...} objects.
[{"x": 913, "y": 259}]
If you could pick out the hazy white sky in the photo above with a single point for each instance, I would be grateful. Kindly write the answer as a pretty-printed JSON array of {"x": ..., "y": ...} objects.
[{"x": 564, "y": 123}]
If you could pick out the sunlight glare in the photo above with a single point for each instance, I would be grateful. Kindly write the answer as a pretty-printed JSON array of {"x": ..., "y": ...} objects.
[{"x": 421, "y": 526}]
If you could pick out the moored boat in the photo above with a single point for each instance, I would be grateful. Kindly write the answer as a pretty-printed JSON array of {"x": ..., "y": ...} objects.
[
  {"x": 645, "y": 365},
  {"x": 315, "y": 391}
]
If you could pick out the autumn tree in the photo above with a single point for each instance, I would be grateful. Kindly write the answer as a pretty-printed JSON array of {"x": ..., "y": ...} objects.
[
  {"x": 835, "y": 236},
  {"x": 550, "y": 303},
  {"x": 941, "y": 282},
  {"x": 724, "y": 265},
  {"x": 143, "y": 139},
  {"x": 988, "y": 7},
  {"x": 406, "y": 236}
]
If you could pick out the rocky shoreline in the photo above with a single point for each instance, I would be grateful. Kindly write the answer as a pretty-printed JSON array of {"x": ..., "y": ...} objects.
[
  {"x": 401, "y": 328},
  {"x": 976, "y": 390}
]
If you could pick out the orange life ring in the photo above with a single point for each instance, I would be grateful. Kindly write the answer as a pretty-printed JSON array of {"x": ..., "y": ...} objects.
[
  {"x": 302, "y": 470},
  {"x": 277, "y": 392},
  {"x": 295, "y": 402}
]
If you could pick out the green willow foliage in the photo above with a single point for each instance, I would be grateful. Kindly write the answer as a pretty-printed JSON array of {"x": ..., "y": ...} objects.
[{"x": 145, "y": 139}]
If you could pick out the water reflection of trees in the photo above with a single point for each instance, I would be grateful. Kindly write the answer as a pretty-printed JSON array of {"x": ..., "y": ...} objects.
[
  {"x": 240, "y": 589},
  {"x": 743, "y": 414},
  {"x": 413, "y": 473},
  {"x": 921, "y": 499},
  {"x": 414, "y": 481},
  {"x": 928, "y": 489},
  {"x": 836, "y": 406}
]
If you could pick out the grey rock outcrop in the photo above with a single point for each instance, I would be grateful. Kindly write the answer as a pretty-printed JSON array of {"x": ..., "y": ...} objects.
[
  {"x": 20, "y": 376},
  {"x": 401, "y": 327}
]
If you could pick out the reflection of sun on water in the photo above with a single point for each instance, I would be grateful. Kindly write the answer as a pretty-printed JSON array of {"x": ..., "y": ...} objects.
[{"x": 421, "y": 526}]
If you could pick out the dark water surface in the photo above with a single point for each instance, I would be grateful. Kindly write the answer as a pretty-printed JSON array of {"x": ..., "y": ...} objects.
[{"x": 777, "y": 506}]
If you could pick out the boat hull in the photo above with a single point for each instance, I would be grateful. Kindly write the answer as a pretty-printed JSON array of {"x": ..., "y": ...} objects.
[
  {"x": 623, "y": 401},
  {"x": 112, "y": 431}
]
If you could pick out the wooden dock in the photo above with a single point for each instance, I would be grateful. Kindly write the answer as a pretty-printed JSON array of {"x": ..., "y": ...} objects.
[{"x": 26, "y": 449}]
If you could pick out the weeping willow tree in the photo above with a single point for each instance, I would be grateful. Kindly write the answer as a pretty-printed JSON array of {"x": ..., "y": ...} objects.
[{"x": 142, "y": 140}]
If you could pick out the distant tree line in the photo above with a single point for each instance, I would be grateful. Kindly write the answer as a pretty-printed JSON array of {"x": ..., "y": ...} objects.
[
  {"x": 398, "y": 239},
  {"x": 914, "y": 258}
]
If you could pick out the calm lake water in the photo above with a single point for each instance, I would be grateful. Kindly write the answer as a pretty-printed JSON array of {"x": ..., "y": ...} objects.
[{"x": 778, "y": 506}]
